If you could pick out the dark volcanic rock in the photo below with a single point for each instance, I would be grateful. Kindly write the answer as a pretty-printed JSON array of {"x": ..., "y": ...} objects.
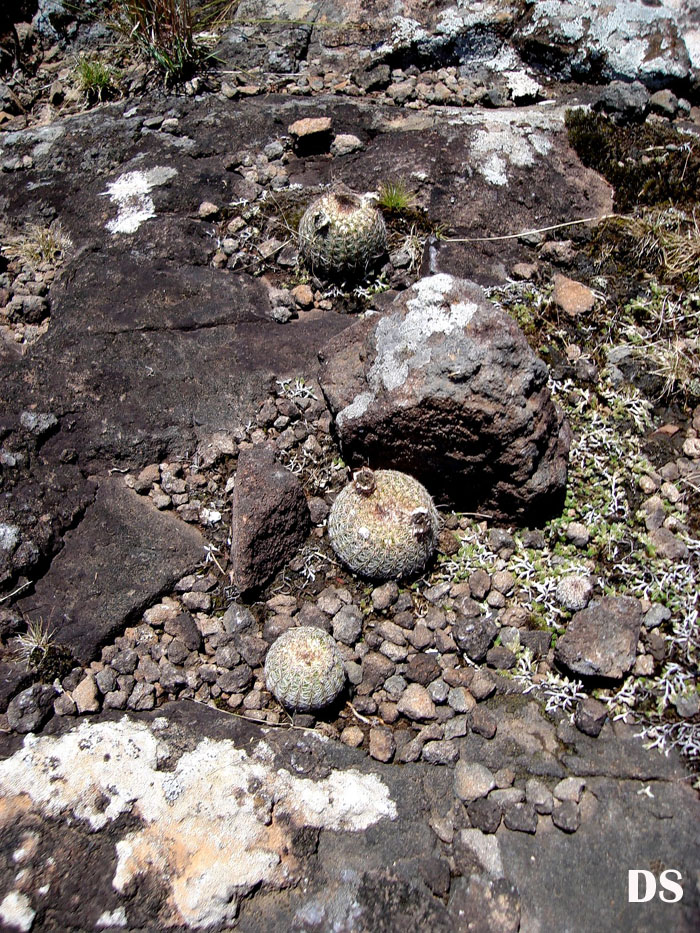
[
  {"x": 12, "y": 677},
  {"x": 37, "y": 505},
  {"x": 422, "y": 669},
  {"x": 627, "y": 102},
  {"x": 30, "y": 709},
  {"x": 162, "y": 354},
  {"x": 120, "y": 558},
  {"x": 601, "y": 641},
  {"x": 490, "y": 904},
  {"x": 485, "y": 814},
  {"x": 270, "y": 517},
  {"x": 388, "y": 903},
  {"x": 590, "y": 716},
  {"x": 474, "y": 636},
  {"x": 442, "y": 363}
]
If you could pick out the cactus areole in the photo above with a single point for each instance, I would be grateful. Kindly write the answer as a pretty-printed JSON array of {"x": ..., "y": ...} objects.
[
  {"x": 342, "y": 235},
  {"x": 304, "y": 669},
  {"x": 384, "y": 525}
]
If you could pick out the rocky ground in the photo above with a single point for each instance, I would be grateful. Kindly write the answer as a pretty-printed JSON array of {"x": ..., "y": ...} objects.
[{"x": 521, "y": 723}]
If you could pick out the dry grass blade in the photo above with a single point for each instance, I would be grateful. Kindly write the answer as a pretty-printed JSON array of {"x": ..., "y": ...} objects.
[
  {"x": 38, "y": 245},
  {"x": 165, "y": 32},
  {"x": 31, "y": 647},
  {"x": 667, "y": 240}
]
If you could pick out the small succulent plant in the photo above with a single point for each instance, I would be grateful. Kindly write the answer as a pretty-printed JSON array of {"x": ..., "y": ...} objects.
[
  {"x": 384, "y": 525},
  {"x": 304, "y": 669},
  {"x": 342, "y": 234},
  {"x": 574, "y": 592}
]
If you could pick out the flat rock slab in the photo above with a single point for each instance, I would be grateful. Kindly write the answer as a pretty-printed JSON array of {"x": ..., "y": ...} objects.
[
  {"x": 122, "y": 556},
  {"x": 119, "y": 790},
  {"x": 159, "y": 356}
]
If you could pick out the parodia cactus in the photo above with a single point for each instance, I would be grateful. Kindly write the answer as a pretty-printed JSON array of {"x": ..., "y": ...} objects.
[
  {"x": 304, "y": 669},
  {"x": 384, "y": 525},
  {"x": 341, "y": 234}
]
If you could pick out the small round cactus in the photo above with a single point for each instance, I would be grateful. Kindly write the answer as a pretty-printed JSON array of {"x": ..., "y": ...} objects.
[
  {"x": 341, "y": 234},
  {"x": 384, "y": 525},
  {"x": 304, "y": 669},
  {"x": 574, "y": 592}
]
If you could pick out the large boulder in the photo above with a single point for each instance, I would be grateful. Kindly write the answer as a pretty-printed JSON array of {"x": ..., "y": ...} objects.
[
  {"x": 270, "y": 517},
  {"x": 444, "y": 386}
]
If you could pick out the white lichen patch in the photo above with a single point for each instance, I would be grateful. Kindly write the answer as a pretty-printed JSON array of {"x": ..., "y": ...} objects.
[
  {"x": 403, "y": 341},
  {"x": 111, "y": 918},
  {"x": 9, "y": 536},
  {"x": 499, "y": 147},
  {"x": 355, "y": 409},
  {"x": 521, "y": 85},
  {"x": 16, "y": 912},
  {"x": 210, "y": 828},
  {"x": 130, "y": 193}
]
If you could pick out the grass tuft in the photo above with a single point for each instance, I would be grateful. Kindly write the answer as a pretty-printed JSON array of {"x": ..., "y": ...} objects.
[
  {"x": 96, "y": 80},
  {"x": 33, "y": 645},
  {"x": 39, "y": 245},
  {"x": 395, "y": 197},
  {"x": 167, "y": 33}
]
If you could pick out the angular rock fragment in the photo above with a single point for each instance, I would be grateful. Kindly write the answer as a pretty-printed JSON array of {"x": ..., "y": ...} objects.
[
  {"x": 29, "y": 710},
  {"x": 311, "y": 134},
  {"x": 590, "y": 716},
  {"x": 444, "y": 363},
  {"x": 474, "y": 636},
  {"x": 121, "y": 557},
  {"x": 472, "y": 780},
  {"x": 270, "y": 518},
  {"x": 601, "y": 641}
]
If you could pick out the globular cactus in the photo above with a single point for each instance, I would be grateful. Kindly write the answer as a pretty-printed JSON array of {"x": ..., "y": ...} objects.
[
  {"x": 304, "y": 669},
  {"x": 574, "y": 592},
  {"x": 342, "y": 234},
  {"x": 384, "y": 525}
]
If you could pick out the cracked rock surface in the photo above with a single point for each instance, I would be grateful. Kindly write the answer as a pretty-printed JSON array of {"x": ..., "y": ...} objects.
[{"x": 519, "y": 725}]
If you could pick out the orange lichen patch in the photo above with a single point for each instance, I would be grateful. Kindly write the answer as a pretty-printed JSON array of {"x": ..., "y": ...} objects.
[
  {"x": 13, "y": 807},
  {"x": 203, "y": 832}
]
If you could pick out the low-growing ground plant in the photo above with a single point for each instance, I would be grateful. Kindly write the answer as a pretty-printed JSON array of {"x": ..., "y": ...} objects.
[
  {"x": 168, "y": 33},
  {"x": 38, "y": 245},
  {"x": 96, "y": 79},
  {"x": 32, "y": 646},
  {"x": 396, "y": 197}
]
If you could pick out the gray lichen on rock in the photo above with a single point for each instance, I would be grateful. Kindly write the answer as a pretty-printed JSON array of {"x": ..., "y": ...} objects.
[{"x": 403, "y": 343}]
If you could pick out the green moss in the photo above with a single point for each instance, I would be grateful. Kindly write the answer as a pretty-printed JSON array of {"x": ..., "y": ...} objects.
[{"x": 646, "y": 164}]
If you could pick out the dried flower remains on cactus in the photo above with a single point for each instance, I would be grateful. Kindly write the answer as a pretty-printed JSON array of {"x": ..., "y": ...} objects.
[
  {"x": 342, "y": 235},
  {"x": 384, "y": 525},
  {"x": 304, "y": 669}
]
